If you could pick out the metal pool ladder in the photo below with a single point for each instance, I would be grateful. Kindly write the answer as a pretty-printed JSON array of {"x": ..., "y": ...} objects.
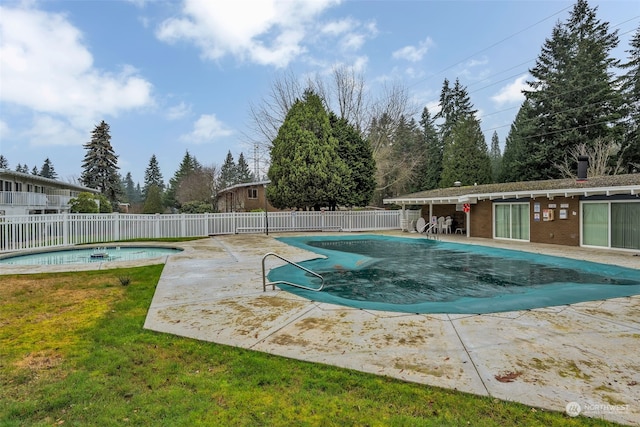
[{"x": 264, "y": 275}]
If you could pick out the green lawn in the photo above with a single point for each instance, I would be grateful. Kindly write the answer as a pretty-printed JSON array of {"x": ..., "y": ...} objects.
[{"x": 73, "y": 352}]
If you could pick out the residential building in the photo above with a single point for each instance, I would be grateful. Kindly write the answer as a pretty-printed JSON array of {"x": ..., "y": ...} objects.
[
  {"x": 24, "y": 194},
  {"x": 247, "y": 197}
]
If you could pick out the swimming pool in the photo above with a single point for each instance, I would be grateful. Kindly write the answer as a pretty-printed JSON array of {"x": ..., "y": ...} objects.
[
  {"x": 426, "y": 276},
  {"x": 89, "y": 255}
]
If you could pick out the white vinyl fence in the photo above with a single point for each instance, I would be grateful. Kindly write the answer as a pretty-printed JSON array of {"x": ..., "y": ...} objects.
[{"x": 44, "y": 231}]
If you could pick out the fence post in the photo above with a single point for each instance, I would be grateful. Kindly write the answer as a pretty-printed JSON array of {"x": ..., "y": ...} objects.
[
  {"x": 156, "y": 226},
  {"x": 116, "y": 226},
  {"x": 65, "y": 229},
  {"x": 183, "y": 225}
]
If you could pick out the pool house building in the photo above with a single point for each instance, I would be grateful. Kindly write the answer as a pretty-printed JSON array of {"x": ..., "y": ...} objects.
[{"x": 602, "y": 212}]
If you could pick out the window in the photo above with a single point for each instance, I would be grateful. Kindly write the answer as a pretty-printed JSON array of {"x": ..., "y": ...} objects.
[
  {"x": 595, "y": 224},
  {"x": 625, "y": 225},
  {"x": 511, "y": 221},
  {"x": 252, "y": 193},
  {"x": 614, "y": 224}
]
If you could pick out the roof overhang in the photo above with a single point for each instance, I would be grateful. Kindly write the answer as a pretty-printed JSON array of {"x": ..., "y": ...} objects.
[
  {"x": 473, "y": 198},
  {"x": 49, "y": 181}
]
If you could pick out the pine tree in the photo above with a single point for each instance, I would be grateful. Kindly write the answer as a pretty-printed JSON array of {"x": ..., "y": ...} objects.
[
  {"x": 521, "y": 157},
  {"x": 188, "y": 165},
  {"x": 573, "y": 98},
  {"x": 47, "y": 170},
  {"x": 455, "y": 105},
  {"x": 4, "y": 163},
  {"x": 100, "y": 164},
  {"x": 431, "y": 168},
  {"x": 153, "y": 201},
  {"x": 152, "y": 177},
  {"x": 407, "y": 153},
  {"x": 466, "y": 157},
  {"x": 35, "y": 171},
  {"x": 306, "y": 170},
  {"x": 228, "y": 172},
  {"x": 495, "y": 156},
  {"x": 243, "y": 173},
  {"x": 132, "y": 196},
  {"x": 355, "y": 151},
  {"x": 631, "y": 92}
]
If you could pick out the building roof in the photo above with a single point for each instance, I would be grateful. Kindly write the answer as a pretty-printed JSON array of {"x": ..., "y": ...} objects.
[
  {"x": 49, "y": 181},
  {"x": 245, "y": 184},
  {"x": 602, "y": 185}
]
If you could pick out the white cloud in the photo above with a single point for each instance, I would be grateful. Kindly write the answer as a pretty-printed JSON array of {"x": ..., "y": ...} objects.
[
  {"x": 512, "y": 93},
  {"x": 336, "y": 28},
  {"x": 266, "y": 32},
  {"x": 413, "y": 53},
  {"x": 178, "y": 111},
  {"x": 4, "y": 130},
  {"x": 46, "y": 68},
  {"x": 47, "y": 131},
  {"x": 206, "y": 129},
  {"x": 478, "y": 62}
]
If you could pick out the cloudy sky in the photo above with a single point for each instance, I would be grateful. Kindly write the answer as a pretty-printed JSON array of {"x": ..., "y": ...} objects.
[{"x": 171, "y": 76}]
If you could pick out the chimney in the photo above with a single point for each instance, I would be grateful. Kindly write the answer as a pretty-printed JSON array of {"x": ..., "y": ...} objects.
[{"x": 583, "y": 164}]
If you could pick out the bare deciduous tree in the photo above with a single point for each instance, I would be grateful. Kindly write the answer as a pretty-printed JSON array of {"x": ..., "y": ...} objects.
[
  {"x": 344, "y": 92},
  {"x": 198, "y": 185},
  {"x": 601, "y": 155}
]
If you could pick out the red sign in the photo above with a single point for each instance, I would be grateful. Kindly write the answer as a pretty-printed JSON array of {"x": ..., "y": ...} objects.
[{"x": 466, "y": 207}]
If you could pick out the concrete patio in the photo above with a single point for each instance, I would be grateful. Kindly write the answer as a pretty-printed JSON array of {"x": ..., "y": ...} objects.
[{"x": 586, "y": 353}]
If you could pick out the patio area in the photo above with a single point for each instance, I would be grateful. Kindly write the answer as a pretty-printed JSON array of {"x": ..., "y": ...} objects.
[{"x": 584, "y": 354}]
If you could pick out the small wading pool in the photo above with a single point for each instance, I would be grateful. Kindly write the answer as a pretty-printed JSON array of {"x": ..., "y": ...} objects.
[
  {"x": 89, "y": 255},
  {"x": 425, "y": 276}
]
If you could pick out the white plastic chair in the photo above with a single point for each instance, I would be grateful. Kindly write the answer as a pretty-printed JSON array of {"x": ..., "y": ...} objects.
[{"x": 447, "y": 225}]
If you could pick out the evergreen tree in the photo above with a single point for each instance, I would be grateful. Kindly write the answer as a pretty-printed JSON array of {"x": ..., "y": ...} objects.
[
  {"x": 408, "y": 152},
  {"x": 243, "y": 173},
  {"x": 188, "y": 165},
  {"x": 520, "y": 157},
  {"x": 455, "y": 105},
  {"x": 153, "y": 201},
  {"x": 466, "y": 157},
  {"x": 496, "y": 157},
  {"x": 84, "y": 203},
  {"x": 228, "y": 172},
  {"x": 100, "y": 164},
  {"x": 152, "y": 177},
  {"x": 4, "y": 163},
  {"x": 35, "y": 171},
  {"x": 132, "y": 194},
  {"x": 47, "y": 170},
  {"x": 431, "y": 167},
  {"x": 355, "y": 151},
  {"x": 631, "y": 92},
  {"x": 306, "y": 170},
  {"x": 573, "y": 98}
]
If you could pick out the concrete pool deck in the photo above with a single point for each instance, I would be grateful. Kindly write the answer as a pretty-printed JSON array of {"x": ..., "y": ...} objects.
[{"x": 586, "y": 353}]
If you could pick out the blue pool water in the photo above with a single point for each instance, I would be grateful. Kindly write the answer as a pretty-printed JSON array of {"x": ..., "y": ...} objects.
[
  {"x": 426, "y": 276},
  {"x": 90, "y": 255}
]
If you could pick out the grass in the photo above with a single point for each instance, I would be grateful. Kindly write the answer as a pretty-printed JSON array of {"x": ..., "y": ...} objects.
[{"x": 73, "y": 352}]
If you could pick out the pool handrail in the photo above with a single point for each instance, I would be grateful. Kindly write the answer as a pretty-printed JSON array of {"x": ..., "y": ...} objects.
[{"x": 284, "y": 282}]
